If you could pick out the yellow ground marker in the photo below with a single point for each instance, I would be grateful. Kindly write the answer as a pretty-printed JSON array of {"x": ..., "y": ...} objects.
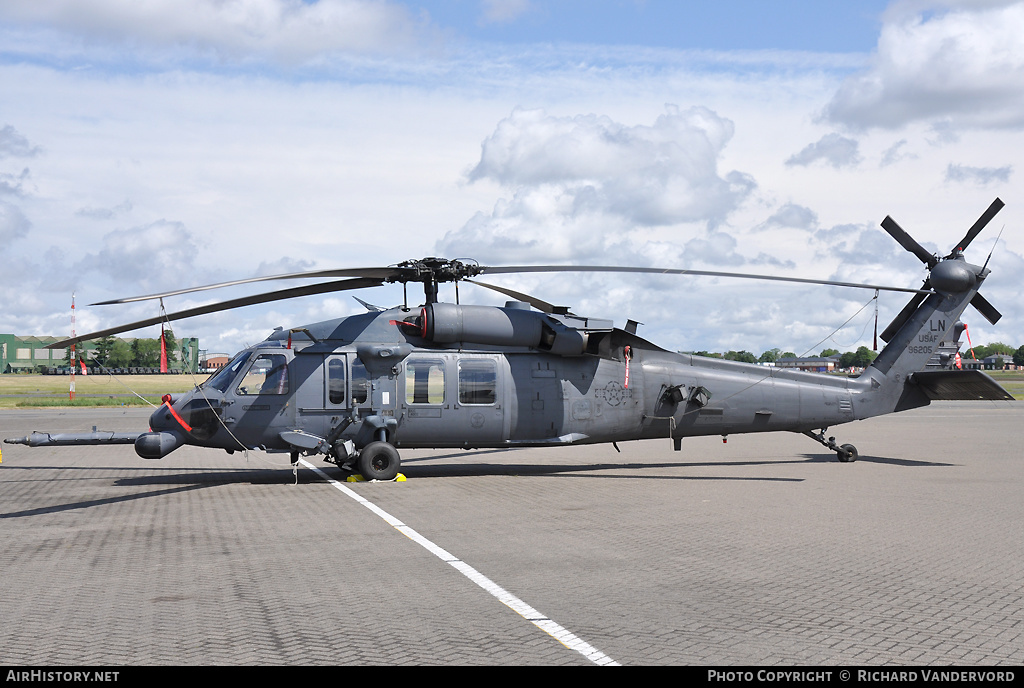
[{"x": 356, "y": 478}]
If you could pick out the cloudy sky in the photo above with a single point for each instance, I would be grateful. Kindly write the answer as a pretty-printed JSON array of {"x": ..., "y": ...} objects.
[{"x": 152, "y": 146}]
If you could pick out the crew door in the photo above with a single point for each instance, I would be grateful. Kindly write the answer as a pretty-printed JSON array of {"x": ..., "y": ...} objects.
[
  {"x": 451, "y": 400},
  {"x": 329, "y": 388},
  {"x": 346, "y": 388},
  {"x": 260, "y": 398}
]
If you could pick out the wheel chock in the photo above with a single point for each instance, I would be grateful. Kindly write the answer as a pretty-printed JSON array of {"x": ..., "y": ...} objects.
[{"x": 356, "y": 478}]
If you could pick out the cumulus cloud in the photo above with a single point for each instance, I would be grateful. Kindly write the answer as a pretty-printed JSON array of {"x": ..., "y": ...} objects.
[
  {"x": 13, "y": 223},
  {"x": 13, "y": 184},
  {"x": 895, "y": 153},
  {"x": 291, "y": 30},
  {"x": 943, "y": 132},
  {"x": 15, "y": 145},
  {"x": 978, "y": 175},
  {"x": 718, "y": 248},
  {"x": 104, "y": 213},
  {"x": 858, "y": 245},
  {"x": 283, "y": 266},
  {"x": 838, "y": 151},
  {"x": 581, "y": 184},
  {"x": 503, "y": 11},
  {"x": 791, "y": 215},
  {"x": 147, "y": 257},
  {"x": 963, "y": 63}
]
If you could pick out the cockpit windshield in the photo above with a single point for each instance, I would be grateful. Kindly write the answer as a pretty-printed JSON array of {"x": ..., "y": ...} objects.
[{"x": 221, "y": 380}]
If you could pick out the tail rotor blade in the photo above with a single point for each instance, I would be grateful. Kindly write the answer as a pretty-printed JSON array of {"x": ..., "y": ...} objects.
[
  {"x": 908, "y": 242},
  {"x": 976, "y": 228},
  {"x": 986, "y": 308},
  {"x": 903, "y": 317}
]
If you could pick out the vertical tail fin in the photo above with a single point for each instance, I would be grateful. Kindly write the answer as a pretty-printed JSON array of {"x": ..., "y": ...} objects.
[{"x": 921, "y": 332}]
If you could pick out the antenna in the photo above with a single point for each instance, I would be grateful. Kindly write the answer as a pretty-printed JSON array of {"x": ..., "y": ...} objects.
[
  {"x": 993, "y": 248},
  {"x": 876, "y": 321}
]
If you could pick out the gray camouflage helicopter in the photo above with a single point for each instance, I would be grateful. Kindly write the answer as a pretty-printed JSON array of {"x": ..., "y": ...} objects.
[{"x": 358, "y": 389}]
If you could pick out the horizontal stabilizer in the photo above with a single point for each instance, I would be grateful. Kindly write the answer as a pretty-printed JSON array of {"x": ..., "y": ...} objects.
[{"x": 959, "y": 385}]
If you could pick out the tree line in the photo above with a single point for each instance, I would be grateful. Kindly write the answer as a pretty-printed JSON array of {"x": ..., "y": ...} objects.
[
  {"x": 139, "y": 353},
  {"x": 863, "y": 356}
]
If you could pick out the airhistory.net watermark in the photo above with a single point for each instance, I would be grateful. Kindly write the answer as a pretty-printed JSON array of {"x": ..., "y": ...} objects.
[{"x": 62, "y": 676}]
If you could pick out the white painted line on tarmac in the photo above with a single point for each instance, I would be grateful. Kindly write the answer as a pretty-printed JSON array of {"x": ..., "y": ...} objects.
[{"x": 524, "y": 610}]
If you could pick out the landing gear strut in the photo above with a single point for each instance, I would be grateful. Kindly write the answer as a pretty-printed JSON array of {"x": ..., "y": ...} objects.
[{"x": 846, "y": 453}]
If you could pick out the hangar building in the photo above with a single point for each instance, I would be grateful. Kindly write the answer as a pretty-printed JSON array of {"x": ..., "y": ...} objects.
[{"x": 28, "y": 354}]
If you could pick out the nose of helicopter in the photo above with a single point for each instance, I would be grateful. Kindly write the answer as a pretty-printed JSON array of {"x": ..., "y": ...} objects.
[
  {"x": 167, "y": 432},
  {"x": 167, "y": 417}
]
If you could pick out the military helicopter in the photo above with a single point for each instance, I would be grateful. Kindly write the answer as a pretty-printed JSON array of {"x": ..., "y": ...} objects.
[{"x": 357, "y": 389}]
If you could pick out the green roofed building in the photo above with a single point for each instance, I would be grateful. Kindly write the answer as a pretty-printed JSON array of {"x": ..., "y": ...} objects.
[{"x": 28, "y": 354}]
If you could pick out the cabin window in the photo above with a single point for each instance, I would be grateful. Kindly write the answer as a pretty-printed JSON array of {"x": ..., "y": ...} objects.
[
  {"x": 478, "y": 381},
  {"x": 336, "y": 380},
  {"x": 424, "y": 381},
  {"x": 268, "y": 374}
]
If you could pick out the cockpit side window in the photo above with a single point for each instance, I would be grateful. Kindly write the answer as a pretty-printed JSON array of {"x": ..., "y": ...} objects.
[{"x": 268, "y": 374}]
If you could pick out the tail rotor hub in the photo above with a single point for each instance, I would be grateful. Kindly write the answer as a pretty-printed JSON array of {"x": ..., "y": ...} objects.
[{"x": 953, "y": 276}]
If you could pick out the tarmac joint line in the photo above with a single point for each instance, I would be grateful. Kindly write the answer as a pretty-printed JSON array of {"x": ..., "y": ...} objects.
[{"x": 524, "y": 610}]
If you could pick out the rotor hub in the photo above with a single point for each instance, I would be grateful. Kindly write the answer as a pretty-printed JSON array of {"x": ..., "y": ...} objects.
[
  {"x": 435, "y": 270},
  {"x": 432, "y": 272}
]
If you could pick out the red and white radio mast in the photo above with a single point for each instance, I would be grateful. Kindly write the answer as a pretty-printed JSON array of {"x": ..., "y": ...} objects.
[{"x": 72, "y": 359}]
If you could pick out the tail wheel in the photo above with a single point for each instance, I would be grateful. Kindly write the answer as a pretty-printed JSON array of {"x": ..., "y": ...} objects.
[
  {"x": 378, "y": 461},
  {"x": 847, "y": 453}
]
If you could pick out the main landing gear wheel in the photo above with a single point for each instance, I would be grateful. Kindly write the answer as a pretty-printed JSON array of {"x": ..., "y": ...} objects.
[
  {"x": 378, "y": 461},
  {"x": 847, "y": 453}
]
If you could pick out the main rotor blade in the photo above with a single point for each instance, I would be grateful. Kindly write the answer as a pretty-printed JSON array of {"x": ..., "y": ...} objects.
[
  {"x": 507, "y": 269},
  {"x": 323, "y": 288},
  {"x": 985, "y": 218},
  {"x": 986, "y": 308},
  {"x": 539, "y": 304},
  {"x": 381, "y": 274},
  {"x": 908, "y": 242}
]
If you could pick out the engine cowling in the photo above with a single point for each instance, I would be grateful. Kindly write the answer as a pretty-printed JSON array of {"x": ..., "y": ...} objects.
[{"x": 446, "y": 323}]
